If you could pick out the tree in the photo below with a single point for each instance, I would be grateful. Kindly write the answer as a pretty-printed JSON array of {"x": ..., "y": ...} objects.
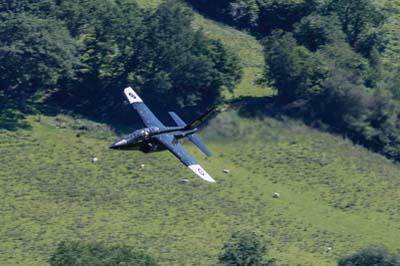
[
  {"x": 343, "y": 89},
  {"x": 96, "y": 254},
  {"x": 244, "y": 249},
  {"x": 358, "y": 19},
  {"x": 42, "y": 9},
  {"x": 374, "y": 256},
  {"x": 180, "y": 66},
  {"x": 108, "y": 42},
  {"x": 245, "y": 12},
  {"x": 297, "y": 73},
  {"x": 314, "y": 31},
  {"x": 348, "y": 98},
  {"x": 340, "y": 55},
  {"x": 260, "y": 16},
  {"x": 280, "y": 14},
  {"x": 157, "y": 52},
  {"x": 35, "y": 54}
]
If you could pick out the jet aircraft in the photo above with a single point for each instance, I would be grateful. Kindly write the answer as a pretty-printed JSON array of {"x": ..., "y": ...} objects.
[{"x": 157, "y": 137}]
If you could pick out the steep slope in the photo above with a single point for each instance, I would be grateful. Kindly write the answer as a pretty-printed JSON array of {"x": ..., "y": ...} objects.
[{"x": 333, "y": 194}]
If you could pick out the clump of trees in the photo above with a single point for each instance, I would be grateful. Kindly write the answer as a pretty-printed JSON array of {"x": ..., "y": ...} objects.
[
  {"x": 327, "y": 57},
  {"x": 244, "y": 249},
  {"x": 35, "y": 51},
  {"x": 262, "y": 17},
  {"x": 85, "y": 52},
  {"x": 339, "y": 76},
  {"x": 95, "y": 254}
]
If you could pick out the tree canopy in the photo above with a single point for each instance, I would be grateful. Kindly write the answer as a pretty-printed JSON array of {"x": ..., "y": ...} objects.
[
  {"x": 331, "y": 57},
  {"x": 35, "y": 54},
  {"x": 180, "y": 65},
  {"x": 374, "y": 256},
  {"x": 244, "y": 249},
  {"x": 87, "y": 51}
]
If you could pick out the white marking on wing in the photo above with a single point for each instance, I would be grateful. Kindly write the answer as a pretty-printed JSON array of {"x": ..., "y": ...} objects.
[
  {"x": 198, "y": 170},
  {"x": 132, "y": 96}
]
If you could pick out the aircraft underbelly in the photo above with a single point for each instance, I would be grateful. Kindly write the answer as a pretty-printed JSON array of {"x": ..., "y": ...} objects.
[{"x": 152, "y": 145}]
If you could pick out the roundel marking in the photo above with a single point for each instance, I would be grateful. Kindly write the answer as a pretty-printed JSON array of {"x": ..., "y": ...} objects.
[{"x": 200, "y": 171}]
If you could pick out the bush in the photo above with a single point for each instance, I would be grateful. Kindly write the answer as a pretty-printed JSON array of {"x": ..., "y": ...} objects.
[
  {"x": 244, "y": 249},
  {"x": 296, "y": 71},
  {"x": 374, "y": 256},
  {"x": 95, "y": 254}
]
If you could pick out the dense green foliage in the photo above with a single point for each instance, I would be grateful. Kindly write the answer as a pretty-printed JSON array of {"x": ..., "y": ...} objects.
[
  {"x": 329, "y": 60},
  {"x": 244, "y": 249},
  {"x": 89, "y": 50},
  {"x": 297, "y": 71},
  {"x": 183, "y": 66},
  {"x": 95, "y": 254},
  {"x": 370, "y": 257},
  {"x": 359, "y": 20},
  {"x": 354, "y": 93},
  {"x": 35, "y": 54},
  {"x": 259, "y": 16}
]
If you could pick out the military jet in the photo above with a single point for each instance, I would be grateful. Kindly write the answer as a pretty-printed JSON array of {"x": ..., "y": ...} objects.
[{"x": 157, "y": 137}]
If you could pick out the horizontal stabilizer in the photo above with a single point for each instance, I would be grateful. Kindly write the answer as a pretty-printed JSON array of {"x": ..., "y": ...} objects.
[
  {"x": 196, "y": 141},
  {"x": 198, "y": 170},
  {"x": 193, "y": 138},
  {"x": 179, "y": 122}
]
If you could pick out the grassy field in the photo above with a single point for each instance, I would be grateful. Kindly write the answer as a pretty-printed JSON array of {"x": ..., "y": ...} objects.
[{"x": 333, "y": 194}]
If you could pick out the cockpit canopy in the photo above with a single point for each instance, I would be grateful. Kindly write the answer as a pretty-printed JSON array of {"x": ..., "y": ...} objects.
[
  {"x": 145, "y": 132},
  {"x": 142, "y": 134}
]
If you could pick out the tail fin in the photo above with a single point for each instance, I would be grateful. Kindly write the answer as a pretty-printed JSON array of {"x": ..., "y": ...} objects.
[
  {"x": 200, "y": 119},
  {"x": 193, "y": 137}
]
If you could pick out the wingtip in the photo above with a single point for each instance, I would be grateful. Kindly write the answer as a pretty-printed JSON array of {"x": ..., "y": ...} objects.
[
  {"x": 198, "y": 170},
  {"x": 132, "y": 96}
]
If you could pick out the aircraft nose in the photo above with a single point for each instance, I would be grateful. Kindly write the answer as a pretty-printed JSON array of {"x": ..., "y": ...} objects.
[
  {"x": 119, "y": 144},
  {"x": 112, "y": 146}
]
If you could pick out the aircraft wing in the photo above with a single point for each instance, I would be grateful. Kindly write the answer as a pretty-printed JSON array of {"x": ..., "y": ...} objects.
[
  {"x": 177, "y": 149},
  {"x": 149, "y": 119}
]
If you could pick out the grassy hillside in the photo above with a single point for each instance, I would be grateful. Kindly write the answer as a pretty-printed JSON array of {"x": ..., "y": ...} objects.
[{"x": 332, "y": 193}]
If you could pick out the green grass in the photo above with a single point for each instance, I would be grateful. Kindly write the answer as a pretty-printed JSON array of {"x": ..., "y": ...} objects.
[
  {"x": 249, "y": 51},
  {"x": 332, "y": 193}
]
